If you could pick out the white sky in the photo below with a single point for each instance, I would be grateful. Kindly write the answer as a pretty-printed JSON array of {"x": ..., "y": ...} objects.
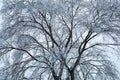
[{"x": 0, "y": 15}]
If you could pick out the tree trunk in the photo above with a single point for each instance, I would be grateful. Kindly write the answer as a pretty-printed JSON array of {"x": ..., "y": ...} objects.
[
  {"x": 56, "y": 78},
  {"x": 72, "y": 75}
]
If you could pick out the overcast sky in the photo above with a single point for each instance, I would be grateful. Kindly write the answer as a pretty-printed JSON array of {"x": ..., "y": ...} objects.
[{"x": 0, "y": 8}]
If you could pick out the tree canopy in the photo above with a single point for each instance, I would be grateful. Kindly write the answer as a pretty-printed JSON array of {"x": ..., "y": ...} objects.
[{"x": 59, "y": 39}]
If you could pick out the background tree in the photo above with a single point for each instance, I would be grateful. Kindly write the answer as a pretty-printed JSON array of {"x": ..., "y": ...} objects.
[{"x": 59, "y": 39}]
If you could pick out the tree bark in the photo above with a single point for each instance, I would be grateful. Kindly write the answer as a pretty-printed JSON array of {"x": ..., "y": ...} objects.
[{"x": 72, "y": 75}]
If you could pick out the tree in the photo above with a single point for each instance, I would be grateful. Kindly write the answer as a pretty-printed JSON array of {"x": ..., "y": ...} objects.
[{"x": 58, "y": 39}]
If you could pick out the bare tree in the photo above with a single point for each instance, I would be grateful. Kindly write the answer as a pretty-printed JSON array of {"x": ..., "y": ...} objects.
[{"x": 59, "y": 39}]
